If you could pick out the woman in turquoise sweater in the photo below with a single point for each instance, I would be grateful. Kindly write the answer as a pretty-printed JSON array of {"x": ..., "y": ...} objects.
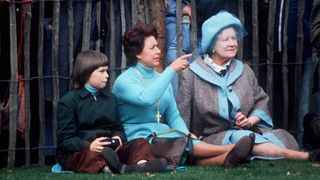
[{"x": 147, "y": 104}]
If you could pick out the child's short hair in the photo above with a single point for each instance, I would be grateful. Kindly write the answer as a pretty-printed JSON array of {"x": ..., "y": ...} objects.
[{"x": 85, "y": 63}]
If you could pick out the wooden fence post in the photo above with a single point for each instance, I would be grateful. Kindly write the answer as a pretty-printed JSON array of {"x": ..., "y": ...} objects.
[
  {"x": 194, "y": 27},
  {"x": 138, "y": 11},
  {"x": 156, "y": 10},
  {"x": 123, "y": 29},
  {"x": 255, "y": 38},
  {"x": 86, "y": 26},
  {"x": 98, "y": 19},
  {"x": 241, "y": 17},
  {"x": 179, "y": 27},
  {"x": 41, "y": 158},
  {"x": 26, "y": 54},
  {"x": 112, "y": 53},
  {"x": 318, "y": 64},
  {"x": 1, "y": 107},
  {"x": 13, "y": 86},
  {"x": 147, "y": 12},
  {"x": 55, "y": 68},
  {"x": 70, "y": 36},
  {"x": 298, "y": 67},
  {"x": 270, "y": 41},
  {"x": 284, "y": 69}
]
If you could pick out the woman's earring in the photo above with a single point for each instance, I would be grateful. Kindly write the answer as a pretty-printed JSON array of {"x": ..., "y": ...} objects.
[{"x": 212, "y": 51}]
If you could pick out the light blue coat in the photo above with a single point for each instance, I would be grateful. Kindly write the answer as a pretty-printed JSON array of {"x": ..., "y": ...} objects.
[{"x": 208, "y": 104}]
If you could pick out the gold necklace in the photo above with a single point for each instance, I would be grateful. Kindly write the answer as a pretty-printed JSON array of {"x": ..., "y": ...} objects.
[{"x": 158, "y": 115}]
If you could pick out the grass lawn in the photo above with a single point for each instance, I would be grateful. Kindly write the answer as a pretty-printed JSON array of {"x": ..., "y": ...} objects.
[{"x": 281, "y": 169}]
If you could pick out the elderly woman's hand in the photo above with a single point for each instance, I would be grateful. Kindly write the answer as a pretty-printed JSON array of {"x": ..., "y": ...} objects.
[
  {"x": 181, "y": 63},
  {"x": 242, "y": 121}
]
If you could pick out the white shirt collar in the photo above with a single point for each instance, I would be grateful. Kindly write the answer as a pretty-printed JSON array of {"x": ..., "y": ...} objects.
[{"x": 215, "y": 66}]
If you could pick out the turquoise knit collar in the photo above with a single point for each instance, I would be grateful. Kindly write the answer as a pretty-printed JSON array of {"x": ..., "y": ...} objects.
[
  {"x": 91, "y": 89},
  {"x": 146, "y": 72}
]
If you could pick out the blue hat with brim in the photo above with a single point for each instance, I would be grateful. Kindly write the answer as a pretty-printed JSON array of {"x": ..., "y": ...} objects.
[{"x": 213, "y": 26}]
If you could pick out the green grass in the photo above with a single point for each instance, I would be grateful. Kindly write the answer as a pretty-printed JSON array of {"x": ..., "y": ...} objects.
[{"x": 274, "y": 170}]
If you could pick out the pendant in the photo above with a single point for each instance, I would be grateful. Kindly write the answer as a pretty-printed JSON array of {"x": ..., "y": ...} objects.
[{"x": 158, "y": 116}]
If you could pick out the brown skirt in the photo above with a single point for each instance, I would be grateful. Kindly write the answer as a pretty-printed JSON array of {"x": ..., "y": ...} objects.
[{"x": 93, "y": 162}]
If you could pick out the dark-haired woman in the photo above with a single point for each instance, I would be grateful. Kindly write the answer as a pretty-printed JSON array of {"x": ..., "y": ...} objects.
[{"x": 147, "y": 104}]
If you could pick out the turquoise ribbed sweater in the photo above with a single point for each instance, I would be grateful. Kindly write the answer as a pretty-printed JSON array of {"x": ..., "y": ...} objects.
[{"x": 137, "y": 102}]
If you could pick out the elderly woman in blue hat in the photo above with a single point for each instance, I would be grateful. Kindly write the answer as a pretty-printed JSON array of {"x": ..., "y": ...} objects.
[{"x": 220, "y": 99}]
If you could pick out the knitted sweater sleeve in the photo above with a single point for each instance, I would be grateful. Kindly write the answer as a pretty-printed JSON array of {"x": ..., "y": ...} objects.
[{"x": 128, "y": 88}]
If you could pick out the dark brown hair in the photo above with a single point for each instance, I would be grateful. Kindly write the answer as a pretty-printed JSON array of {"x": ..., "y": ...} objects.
[
  {"x": 133, "y": 40},
  {"x": 85, "y": 63}
]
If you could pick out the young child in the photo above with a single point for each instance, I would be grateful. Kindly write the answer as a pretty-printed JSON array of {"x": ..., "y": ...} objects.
[{"x": 90, "y": 137}]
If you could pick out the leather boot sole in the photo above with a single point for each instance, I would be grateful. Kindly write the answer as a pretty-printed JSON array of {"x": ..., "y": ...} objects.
[{"x": 240, "y": 151}]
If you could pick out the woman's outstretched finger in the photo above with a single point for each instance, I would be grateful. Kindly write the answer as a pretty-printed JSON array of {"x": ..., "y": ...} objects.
[{"x": 185, "y": 56}]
